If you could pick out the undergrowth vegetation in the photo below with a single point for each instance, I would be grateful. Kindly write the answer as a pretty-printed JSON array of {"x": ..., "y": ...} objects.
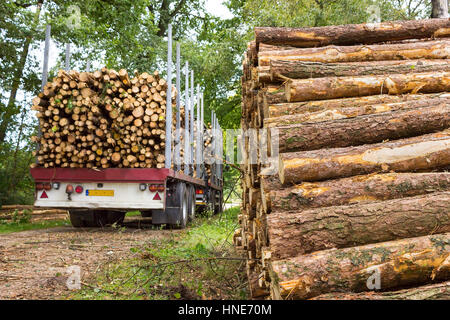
[{"x": 197, "y": 263}]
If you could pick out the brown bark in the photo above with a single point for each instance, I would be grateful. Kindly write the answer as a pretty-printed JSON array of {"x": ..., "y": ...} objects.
[
  {"x": 342, "y": 87},
  {"x": 358, "y": 189},
  {"x": 351, "y": 111},
  {"x": 280, "y": 69},
  {"x": 438, "y": 291},
  {"x": 400, "y": 263},
  {"x": 419, "y": 153},
  {"x": 354, "y": 33},
  {"x": 299, "y": 232},
  {"x": 371, "y": 128},
  {"x": 285, "y": 109},
  {"x": 377, "y": 52}
]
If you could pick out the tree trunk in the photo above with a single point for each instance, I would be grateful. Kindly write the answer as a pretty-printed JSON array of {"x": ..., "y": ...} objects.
[
  {"x": 400, "y": 263},
  {"x": 300, "y": 232},
  {"x": 377, "y": 52},
  {"x": 364, "y": 129},
  {"x": 285, "y": 109},
  {"x": 359, "y": 189},
  {"x": 419, "y": 153},
  {"x": 10, "y": 107},
  {"x": 281, "y": 69},
  {"x": 342, "y": 87},
  {"x": 439, "y": 9},
  {"x": 439, "y": 291},
  {"x": 353, "y": 33},
  {"x": 351, "y": 111}
]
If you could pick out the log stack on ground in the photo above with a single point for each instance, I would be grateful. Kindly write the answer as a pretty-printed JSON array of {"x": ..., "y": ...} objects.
[{"x": 353, "y": 182}]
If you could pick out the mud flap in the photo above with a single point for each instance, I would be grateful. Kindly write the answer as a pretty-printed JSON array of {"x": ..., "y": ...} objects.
[{"x": 168, "y": 216}]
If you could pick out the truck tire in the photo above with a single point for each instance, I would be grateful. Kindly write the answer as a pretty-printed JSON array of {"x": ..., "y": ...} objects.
[
  {"x": 183, "y": 203},
  {"x": 76, "y": 219},
  {"x": 191, "y": 202},
  {"x": 108, "y": 218}
]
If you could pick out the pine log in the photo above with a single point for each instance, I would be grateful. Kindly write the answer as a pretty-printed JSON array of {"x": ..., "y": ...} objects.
[
  {"x": 365, "y": 33},
  {"x": 299, "y": 232},
  {"x": 285, "y": 109},
  {"x": 425, "y": 152},
  {"x": 279, "y": 70},
  {"x": 351, "y": 111},
  {"x": 358, "y": 189},
  {"x": 385, "y": 52},
  {"x": 438, "y": 291},
  {"x": 342, "y": 87},
  {"x": 371, "y": 128},
  {"x": 400, "y": 263}
]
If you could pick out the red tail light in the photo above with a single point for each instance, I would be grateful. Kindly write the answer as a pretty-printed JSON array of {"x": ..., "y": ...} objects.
[
  {"x": 153, "y": 187},
  {"x": 39, "y": 186},
  {"x": 199, "y": 191},
  {"x": 48, "y": 186},
  {"x": 79, "y": 189},
  {"x": 161, "y": 188},
  {"x": 69, "y": 189}
]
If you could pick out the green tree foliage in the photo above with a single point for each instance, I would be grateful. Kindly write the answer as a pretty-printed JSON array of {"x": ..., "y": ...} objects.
[{"x": 131, "y": 34}]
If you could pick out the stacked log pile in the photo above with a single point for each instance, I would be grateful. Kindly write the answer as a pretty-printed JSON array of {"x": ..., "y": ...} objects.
[
  {"x": 359, "y": 188},
  {"x": 102, "y": 119}
]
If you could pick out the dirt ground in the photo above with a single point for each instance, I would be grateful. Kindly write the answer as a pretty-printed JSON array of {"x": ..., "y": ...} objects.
[{"x": 34, "y": 264}]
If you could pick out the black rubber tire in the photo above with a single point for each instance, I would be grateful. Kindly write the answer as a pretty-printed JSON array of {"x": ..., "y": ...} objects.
[
  {"x": 76, "y": 219},
  {"x": 181, "y": 202},
  {"x": 191, "y": 202},
  {"x": 95, "y": 219},
  {"x": 108, "y": 218}
]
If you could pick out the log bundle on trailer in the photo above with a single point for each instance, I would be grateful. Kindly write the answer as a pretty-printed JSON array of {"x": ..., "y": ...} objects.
[{"x": 353, "y": 183}]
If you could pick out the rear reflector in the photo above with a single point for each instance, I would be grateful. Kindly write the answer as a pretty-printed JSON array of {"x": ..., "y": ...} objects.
[
  {"x": 44, "y": 195},
  {"x": 157, "y": 197},
  {"x": 79, "y": 189}
]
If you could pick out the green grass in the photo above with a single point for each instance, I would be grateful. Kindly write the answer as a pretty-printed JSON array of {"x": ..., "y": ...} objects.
[
  {"x": 197, "y": 263},
  {"x": 18, "y": 226}
]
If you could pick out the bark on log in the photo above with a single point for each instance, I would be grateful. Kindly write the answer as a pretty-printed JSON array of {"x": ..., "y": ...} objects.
[
  {"x": 400, "y": 263},
  {"x": 438, "y": 291},
  {"x": 425, "y": 152},
  {"x": 300, "y": 232},
  {"x": 359, "y": 189},
  {"x": 353, "y": 33},
  {"x": 342, "y": 87},
  {"x": 371, "y": 128},
  {"x": 384, "y": 52},
  {"x": 351, "y": 112},
  {"x": 280, "y": 70},
  {"x": 284, "y": 109}
]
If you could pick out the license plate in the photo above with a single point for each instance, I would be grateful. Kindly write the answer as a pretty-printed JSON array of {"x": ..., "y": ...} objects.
[{"x": 100, "y": 193}]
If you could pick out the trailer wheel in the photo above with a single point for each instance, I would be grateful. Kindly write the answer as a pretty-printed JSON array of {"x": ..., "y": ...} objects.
[
  {"x": 191, "y": 202},
  {"x": 76, "y": 220},
  {"x": 181, "y": 205}
]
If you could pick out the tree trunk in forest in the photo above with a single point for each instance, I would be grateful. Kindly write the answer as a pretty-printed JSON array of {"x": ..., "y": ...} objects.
[
  {"x": 285, "y": 109},
  {"x": 351, "y": 112},
  {"x": 342, "y": 87},
  {"x": 371, "y": 128},
  {"x": 353, "y": 33},
  {"x": 438, "y": 291},
  {"x": 10, "y": 107},
  {"x": 439, "y": 9},
  {"x": 358, "y": 189},
  {"x": 281, "y": 69},
  {"x": 425, "y": 152},
  {"x": 400, "y": 263},
  {"x": 300, "y": 232},
  {"x": 378, "y": 52}
]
